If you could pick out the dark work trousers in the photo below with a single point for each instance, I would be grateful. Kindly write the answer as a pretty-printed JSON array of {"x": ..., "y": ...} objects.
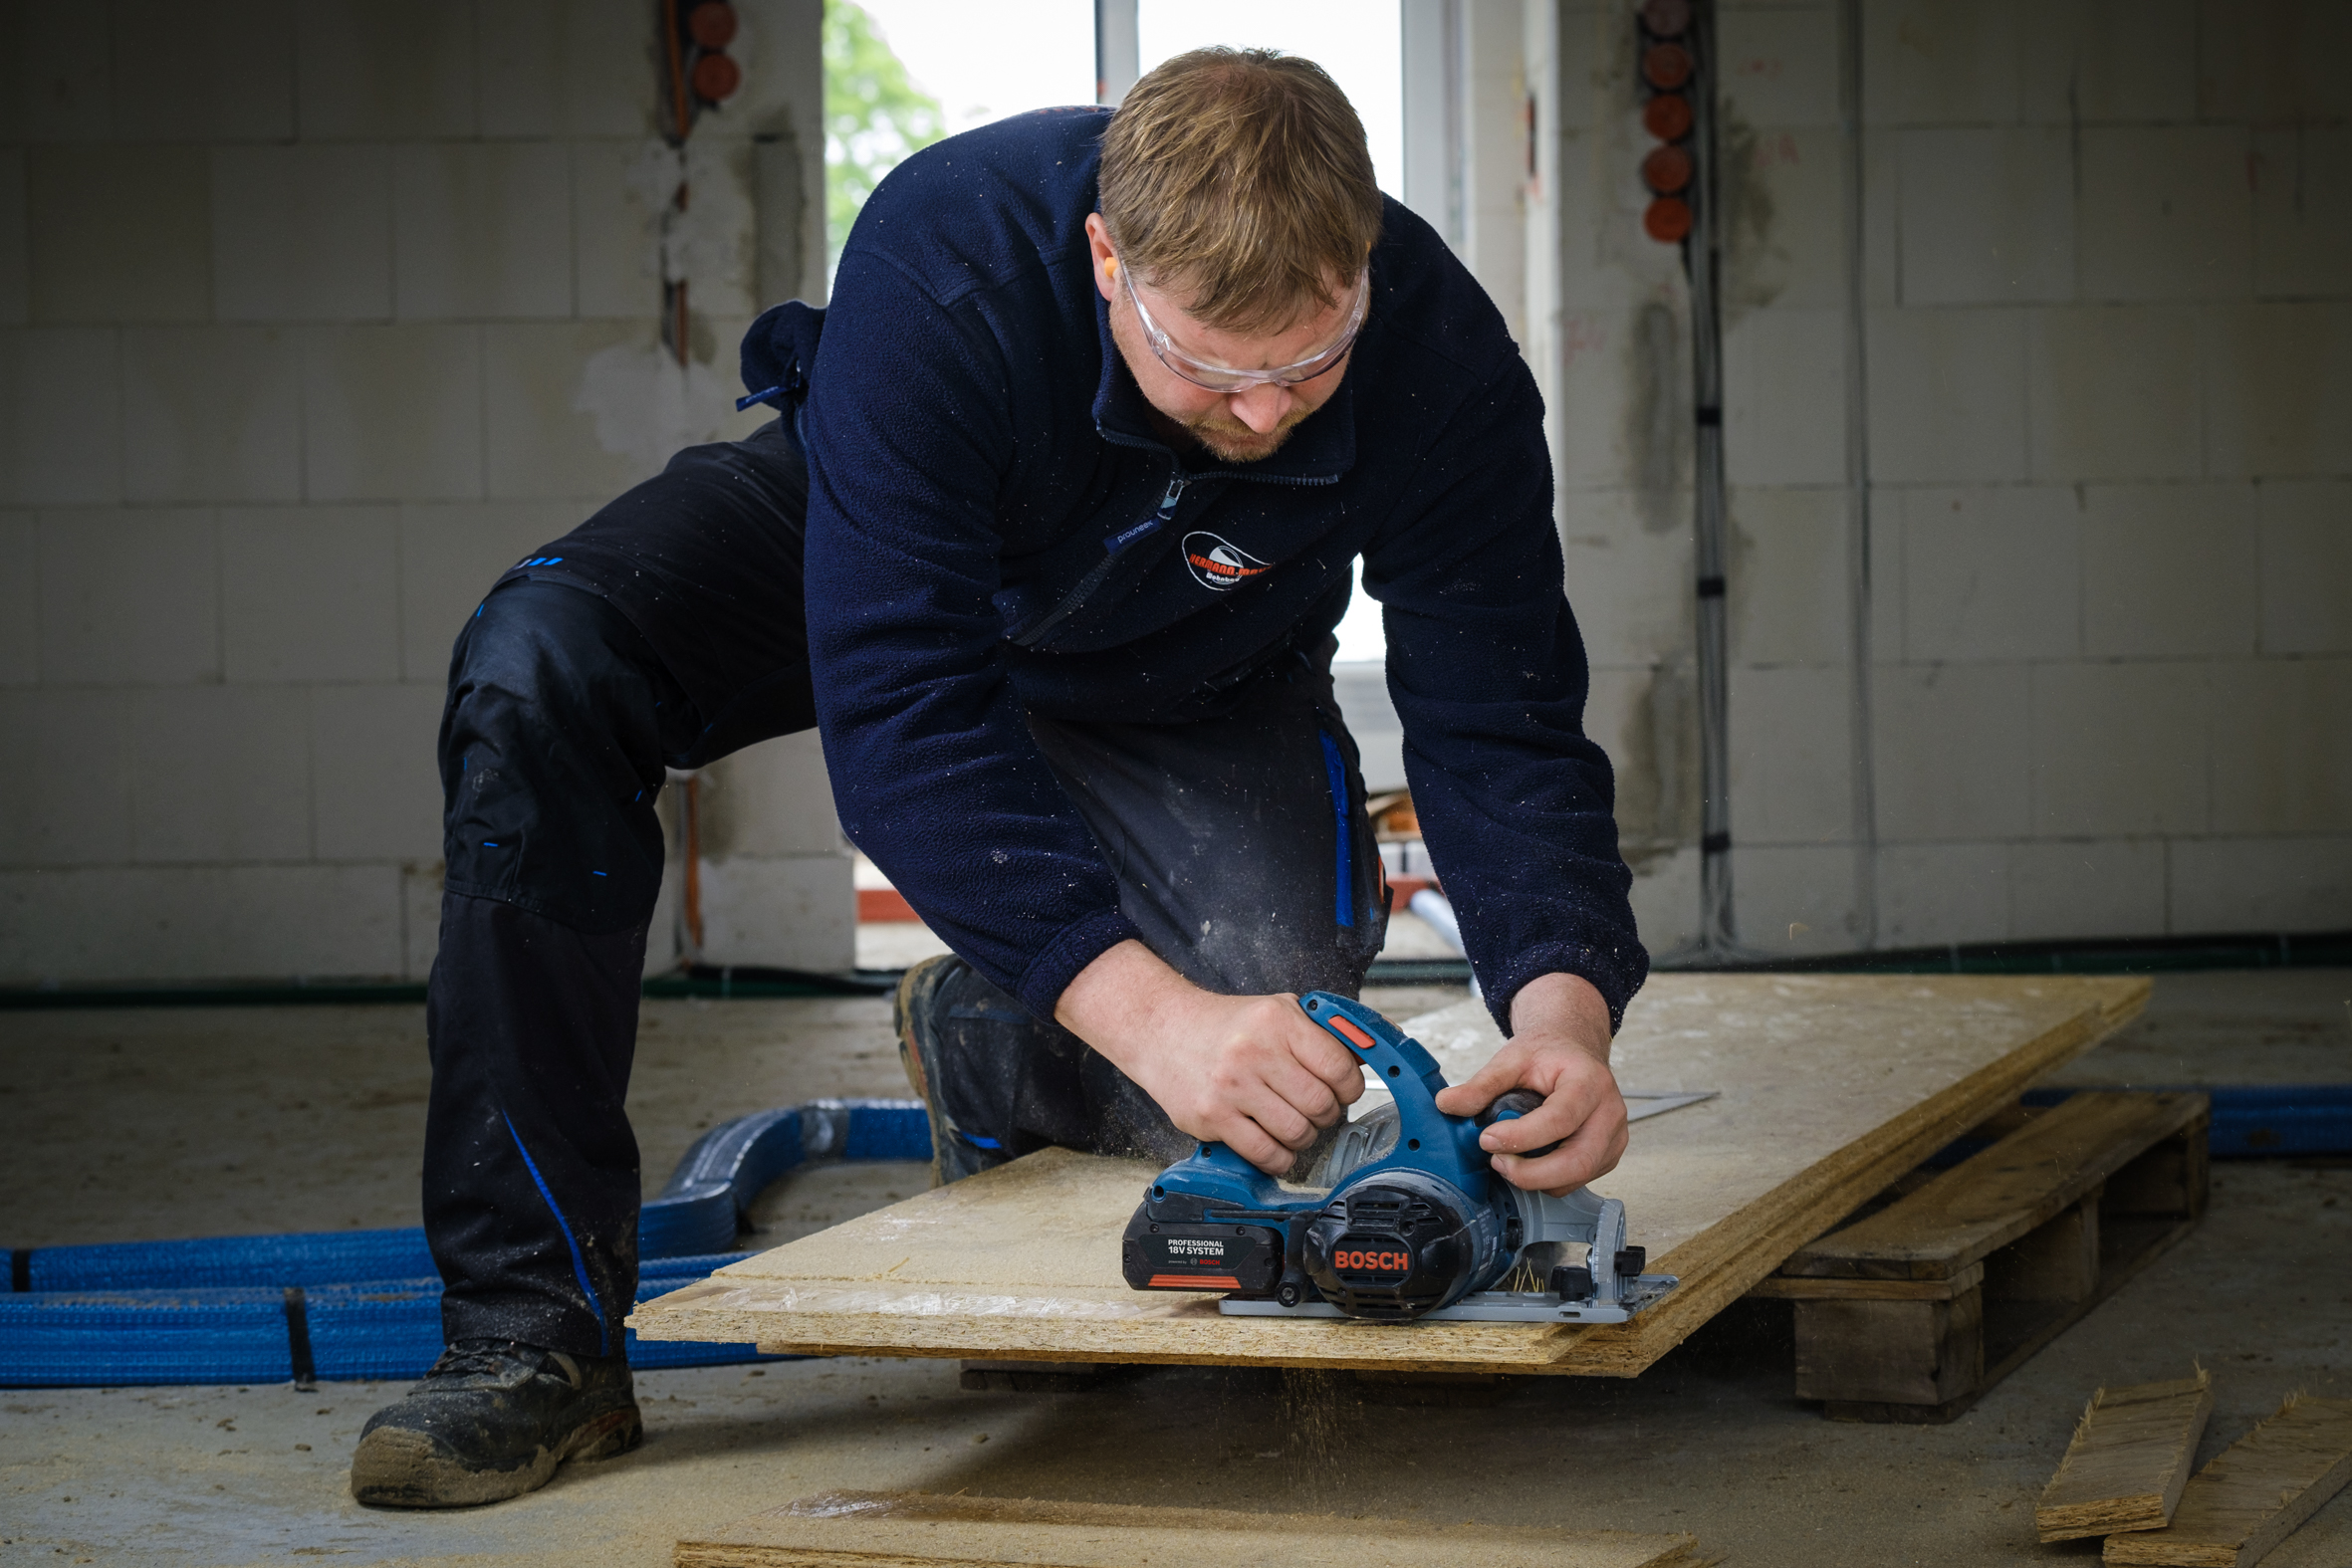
[{"x": 668, "y": 631}]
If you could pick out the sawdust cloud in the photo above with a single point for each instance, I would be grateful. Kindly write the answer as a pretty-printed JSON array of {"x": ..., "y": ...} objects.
[{"x": 1318, "y": 1422}]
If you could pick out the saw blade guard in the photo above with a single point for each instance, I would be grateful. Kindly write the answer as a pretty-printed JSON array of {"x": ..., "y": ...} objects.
[
  {"x": 1545, "y": 1223},
  {"x": 1369, "y": 1138}
]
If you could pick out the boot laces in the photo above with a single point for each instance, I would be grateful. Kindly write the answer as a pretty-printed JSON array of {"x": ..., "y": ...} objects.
[{"x": 496, "y": 1357}]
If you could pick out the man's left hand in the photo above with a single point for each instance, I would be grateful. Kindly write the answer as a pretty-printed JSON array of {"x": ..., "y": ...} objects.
[{"x": 1560, "y": 1048}]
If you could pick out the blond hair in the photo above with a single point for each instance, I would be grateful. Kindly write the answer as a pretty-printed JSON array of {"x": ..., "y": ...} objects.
[{"x": 1241, "y": 178}]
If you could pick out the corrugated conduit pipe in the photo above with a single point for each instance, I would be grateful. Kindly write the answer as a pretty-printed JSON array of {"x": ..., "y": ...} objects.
[{"x": 367, "y": 1304}]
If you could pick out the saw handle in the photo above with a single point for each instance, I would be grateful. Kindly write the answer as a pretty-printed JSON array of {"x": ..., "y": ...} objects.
[
  {"x": 1509, "y": 1106},
  {"x": 1426, "y": 1137},
  {"x": 1222, "y": 1157}
]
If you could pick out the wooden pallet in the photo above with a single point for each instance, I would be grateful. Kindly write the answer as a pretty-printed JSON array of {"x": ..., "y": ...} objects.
[
  {"x": 1911, "y": 1313},
  {"x": 1831, "y": 1087}
]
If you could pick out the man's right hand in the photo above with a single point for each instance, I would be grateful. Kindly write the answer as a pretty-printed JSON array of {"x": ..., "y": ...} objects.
[{"x": 1250, "y": 1073}]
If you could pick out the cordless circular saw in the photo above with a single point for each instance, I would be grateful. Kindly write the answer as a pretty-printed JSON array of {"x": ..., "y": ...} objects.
[{"x": 1401, "y": 1218}]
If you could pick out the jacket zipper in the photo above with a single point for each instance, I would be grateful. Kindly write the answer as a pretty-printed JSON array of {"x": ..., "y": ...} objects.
[
  {"x": 1117, "y": 543},
  {"x": 1112, "y": 548}
]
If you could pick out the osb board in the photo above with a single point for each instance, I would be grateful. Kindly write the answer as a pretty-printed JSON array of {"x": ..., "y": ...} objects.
[
  {"x": 1829, "y": 1086},
  {"x": 911, "y": 1530}
]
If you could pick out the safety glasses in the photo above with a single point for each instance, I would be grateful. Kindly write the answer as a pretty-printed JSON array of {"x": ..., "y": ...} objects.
[{"x": 1224, "y": 378}]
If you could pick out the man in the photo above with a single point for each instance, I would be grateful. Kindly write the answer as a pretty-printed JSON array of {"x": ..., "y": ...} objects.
[{"x": 1049, "y": 544}]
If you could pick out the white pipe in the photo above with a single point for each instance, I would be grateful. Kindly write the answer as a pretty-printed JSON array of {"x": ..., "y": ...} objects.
[{"x": 1438, "y": 911}]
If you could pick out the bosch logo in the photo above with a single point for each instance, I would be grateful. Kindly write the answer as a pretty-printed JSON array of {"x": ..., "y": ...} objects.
[{"x": 1359, "y": 1261}]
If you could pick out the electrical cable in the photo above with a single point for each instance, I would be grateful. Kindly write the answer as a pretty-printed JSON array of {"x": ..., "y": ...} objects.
[
  {"x": 1861, "y": 755},
  {"x": 1717, "y": 939}
]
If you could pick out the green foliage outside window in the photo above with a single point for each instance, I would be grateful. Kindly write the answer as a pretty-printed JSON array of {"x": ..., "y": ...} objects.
[{"x": 874, "y": 116}]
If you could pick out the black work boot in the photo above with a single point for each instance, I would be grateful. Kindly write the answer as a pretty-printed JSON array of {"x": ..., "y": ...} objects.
[
  {"x": 933, "y": 992},
  {"x": 491, "y": 1421}
]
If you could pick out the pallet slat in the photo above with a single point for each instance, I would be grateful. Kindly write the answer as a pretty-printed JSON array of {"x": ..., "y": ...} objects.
[
  {"x": 1790, "y": 1287},
  {"x": 1994, "y": 1197},
  {"x": 2129, "y": 1461}
]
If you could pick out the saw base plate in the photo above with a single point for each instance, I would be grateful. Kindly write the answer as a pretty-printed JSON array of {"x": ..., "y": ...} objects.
[{"x": 1490, "y": 1307}]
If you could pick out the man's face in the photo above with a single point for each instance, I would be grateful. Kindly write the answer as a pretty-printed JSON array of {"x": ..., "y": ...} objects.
[{"x": 1236, "y": 427}]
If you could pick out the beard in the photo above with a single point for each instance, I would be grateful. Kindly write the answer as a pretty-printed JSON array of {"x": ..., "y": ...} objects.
[{"x": 1231, "y": 441}]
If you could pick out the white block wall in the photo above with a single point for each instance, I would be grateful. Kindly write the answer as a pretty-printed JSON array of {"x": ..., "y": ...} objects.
[
  {"x": 300, "y": 315},
  {"x": 2109, "y": 415}
]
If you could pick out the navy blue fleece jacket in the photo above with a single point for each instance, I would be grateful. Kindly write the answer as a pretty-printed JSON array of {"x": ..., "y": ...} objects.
[{"x": 993, "y": 526}]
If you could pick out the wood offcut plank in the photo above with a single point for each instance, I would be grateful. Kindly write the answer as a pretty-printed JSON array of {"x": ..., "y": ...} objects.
[
  {"x": 2129, "y": 1460},
  {"x": 1830, "y": 1086},
  {"x": 910, "y": 1530},
  {"x": 1997, "y": 1195},
  {"x": 2255, "y": 1494}
]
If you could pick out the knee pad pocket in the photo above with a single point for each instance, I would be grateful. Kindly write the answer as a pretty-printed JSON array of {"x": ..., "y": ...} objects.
[{"x": 551, "y": 759}]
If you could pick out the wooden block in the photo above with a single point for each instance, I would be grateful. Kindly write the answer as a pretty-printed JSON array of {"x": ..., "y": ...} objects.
[
  {"x": 2255, "y": 1494},
  {"x": 1799, "y": 1287},
  {"x": 2129, "y": 1460},
  {"x": 1033, "y": 1377},
  {"x": 1831, "y": 1087},
  {"x": 911, "y": 1530},
  {"x": 1891, "y": 1352},
  {"x": 1994, "y": 1197},
  {"x": 2056, "y": 1262},
  {"x": 2168, "y": 1180}
]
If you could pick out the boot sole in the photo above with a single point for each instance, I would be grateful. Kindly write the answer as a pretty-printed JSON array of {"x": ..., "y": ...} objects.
[{"x": 396, "y": 1469}]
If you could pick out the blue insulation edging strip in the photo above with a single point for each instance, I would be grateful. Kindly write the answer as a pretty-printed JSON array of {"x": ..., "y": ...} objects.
[
  {"x": 315, "y": 1258},
  {"x": 2254, "y": 1123},
  {"x": 217, "y": 1310},
  {"x": 2292, "y": 1121},
  {"x": 694, "y": 1216},
  {"x": 889, "y": 1130},
  {"x": 386, "y": 1330}
]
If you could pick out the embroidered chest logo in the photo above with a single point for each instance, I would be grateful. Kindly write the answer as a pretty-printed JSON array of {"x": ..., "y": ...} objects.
[{"x": 1218, "y": 565}]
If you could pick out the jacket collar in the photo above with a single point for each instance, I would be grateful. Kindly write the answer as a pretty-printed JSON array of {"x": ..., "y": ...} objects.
[{"x": 1321, "y": 450}]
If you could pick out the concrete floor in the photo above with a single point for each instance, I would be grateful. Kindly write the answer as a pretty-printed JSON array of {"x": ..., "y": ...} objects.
[{"x": 127, "y": 1125}]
